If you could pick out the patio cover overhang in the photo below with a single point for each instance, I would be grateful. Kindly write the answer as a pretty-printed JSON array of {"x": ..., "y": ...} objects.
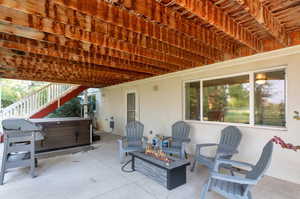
[{"x": 100, "y": 43}]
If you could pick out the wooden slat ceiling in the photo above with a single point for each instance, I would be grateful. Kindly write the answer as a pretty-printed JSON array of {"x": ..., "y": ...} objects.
[{"x": 99, "y": 43}]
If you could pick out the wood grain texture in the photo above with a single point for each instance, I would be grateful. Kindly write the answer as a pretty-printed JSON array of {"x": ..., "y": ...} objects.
[{"x": 106, "y": 42}]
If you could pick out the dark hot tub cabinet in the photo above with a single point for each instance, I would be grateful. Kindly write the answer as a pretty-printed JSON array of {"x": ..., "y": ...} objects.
[{"x": 63, "y": 133}]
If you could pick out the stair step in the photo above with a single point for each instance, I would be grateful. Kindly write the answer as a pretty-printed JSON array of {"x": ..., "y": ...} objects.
[{"x": 37, "y": 101}]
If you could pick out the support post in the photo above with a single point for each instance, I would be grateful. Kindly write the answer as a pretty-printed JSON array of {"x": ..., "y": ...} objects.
[{"x": 85, "y": 104}]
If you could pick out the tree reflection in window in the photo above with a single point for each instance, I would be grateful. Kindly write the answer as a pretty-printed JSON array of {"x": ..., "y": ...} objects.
[
  {"x": 226, "y": 100},
  {"x": 192, "y": 101},
  {"x": 270, "y": 98}
]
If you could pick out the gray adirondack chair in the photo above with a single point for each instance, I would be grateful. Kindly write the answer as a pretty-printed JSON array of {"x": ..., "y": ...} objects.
[
  {"x": 235, "y": 187},
  {"x": 134, "y": 139},
  {"x": 179, "y": 139},
  {"x": 19, "y": 145},
  {"x": 227, "y": 147}
]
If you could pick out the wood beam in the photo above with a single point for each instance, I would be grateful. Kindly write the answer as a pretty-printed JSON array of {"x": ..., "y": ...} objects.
[
  {"x": 20, "y": 75},
  {"x": 34, "y": 66},
  {"x": 76, "y": 46},
  {"x": 48, "y": 49},
  {"x": 41, "y": 61},
  {"x": 89, "y": 24},
  {"x": 48, "y": 76},
  {"x": 264, "y": 17},
  {"x": 191, "y": 37},
  {"x": 46, "y": 25},
  {"x": 295, "y": 38},
  {"x": 215, "y": 16}
]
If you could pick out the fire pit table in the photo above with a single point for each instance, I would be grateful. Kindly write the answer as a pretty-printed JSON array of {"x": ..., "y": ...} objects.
[{"x": 170, "y": 175}]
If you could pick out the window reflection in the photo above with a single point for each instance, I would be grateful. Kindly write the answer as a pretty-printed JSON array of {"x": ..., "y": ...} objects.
[
  {"x": 270, "y": 98},
  {"x": 226, "y": 100},
  {"x": 192, "y": 101}
]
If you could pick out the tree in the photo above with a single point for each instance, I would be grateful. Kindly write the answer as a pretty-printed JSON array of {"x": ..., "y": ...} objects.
[
  {"x": 14, "y": 90},
  {"x": 71, "y": 108}
]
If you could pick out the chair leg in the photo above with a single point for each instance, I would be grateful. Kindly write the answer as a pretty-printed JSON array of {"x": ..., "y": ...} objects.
[
  {"x": 2, "y": 169},
  {"x": 231, "y": 172},
  {"x": 193, "y": 165},
  {"x": 204, "y": 191},
  {"x": 32, "y": 157},
  {"x": 121, "y": 156},
  {"x": 3, "y": 165},
  {"x": 249, "y": 195}
]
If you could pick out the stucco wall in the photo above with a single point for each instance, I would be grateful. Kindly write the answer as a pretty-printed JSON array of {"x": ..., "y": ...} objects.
[{"x": 158, "y": 110}]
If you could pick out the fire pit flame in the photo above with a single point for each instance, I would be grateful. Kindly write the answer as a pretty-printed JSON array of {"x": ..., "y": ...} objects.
[{"x": 158, "y": 154}]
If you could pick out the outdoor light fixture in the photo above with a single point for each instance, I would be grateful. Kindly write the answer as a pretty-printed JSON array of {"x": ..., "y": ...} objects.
[{"x": 260, "y": 78}]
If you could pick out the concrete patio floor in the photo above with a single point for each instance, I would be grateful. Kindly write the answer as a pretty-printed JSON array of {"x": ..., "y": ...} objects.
[{"x": 96, "y": 174}]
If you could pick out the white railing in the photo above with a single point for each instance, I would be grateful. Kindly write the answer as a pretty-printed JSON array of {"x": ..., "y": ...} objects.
[{"x": 36, "y": 101}]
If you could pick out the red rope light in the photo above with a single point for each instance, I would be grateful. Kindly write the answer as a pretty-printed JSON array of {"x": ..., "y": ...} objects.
[{"x": 278, "y": 140}]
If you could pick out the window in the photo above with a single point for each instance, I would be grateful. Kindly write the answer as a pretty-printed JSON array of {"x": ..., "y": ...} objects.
[
  {"x": 131, "y": 107},
  {"x": 270, "y": 98},
  {"x": 229, "y": 99},
  {"x": 226, "y": 100},
  {"x": 192, "y": 99}
]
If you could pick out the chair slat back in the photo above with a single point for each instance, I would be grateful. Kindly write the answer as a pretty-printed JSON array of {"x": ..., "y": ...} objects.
[
  {"x": 231, "y": 136},
  {"x": 263, "y": 163},
  {"x": 134, "y": 132},
  {"x": 180, "y": 130}
]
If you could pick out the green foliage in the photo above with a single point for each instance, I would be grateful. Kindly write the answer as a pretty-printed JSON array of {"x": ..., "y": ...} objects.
[
  {"x": 14, "y": 90},
  {"x": 239, "y": 96},
  {"x": 71, "y": 108},
  {"x": 226, "y": 103}
]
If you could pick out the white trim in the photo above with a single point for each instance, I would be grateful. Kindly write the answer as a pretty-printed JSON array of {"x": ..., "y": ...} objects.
[
  {"x": 252, "y": 100},
  {"x": 201, "y": 101},
  {"x": 184, "y": 99},
  {"x": 251, "y": 75},
  {"x": 219, "y": 66},
  {"x": 238, "y": 125}
]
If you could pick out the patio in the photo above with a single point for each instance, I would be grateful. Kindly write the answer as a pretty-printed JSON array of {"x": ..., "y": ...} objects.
[{"x": 96, "y": 174}]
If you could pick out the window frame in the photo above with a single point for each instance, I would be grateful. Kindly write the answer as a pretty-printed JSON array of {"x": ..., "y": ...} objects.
[
  {"x": 251, "y": 75},
  {"x": 184, "y": 99},
  {"x": 137, "y": 105}
]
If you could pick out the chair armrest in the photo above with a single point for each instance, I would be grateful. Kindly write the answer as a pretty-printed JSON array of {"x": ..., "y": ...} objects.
[
  {"x": 199, "y": 146},
  {"x": 226, "y": 150},
  {"x": 232, "y": 163},
  {"x": 234, "y": 179},
  {"x": 187, "y": 140},
  {"x": 181, "y": 140},
  {"x": 206, "y": 145}
]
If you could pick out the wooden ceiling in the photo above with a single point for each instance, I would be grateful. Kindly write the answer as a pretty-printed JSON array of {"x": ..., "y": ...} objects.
[{"x": 99, "y": 43}]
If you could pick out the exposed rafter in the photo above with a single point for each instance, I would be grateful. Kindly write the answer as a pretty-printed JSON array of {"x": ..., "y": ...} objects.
[
  {"x": 44, "y": 26},
  {"x": 82, "y": 49},
  {"x": 210, "y": 13},
  {"x": 172, "y": 28},
  {"x": 90, "y": 26},
  {"x": 265, "y": 18},
  {"x": 42, "y": 48},
  {"x": 14, "y": 62},
  {"x": 106, "y": 42}
]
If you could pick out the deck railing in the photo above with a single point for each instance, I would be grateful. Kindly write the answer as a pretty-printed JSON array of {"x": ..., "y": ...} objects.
[{"x": 36, "y": 101}]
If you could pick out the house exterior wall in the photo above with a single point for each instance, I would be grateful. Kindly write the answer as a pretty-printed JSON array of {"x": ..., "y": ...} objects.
[{"x": 160, "y": 108}]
